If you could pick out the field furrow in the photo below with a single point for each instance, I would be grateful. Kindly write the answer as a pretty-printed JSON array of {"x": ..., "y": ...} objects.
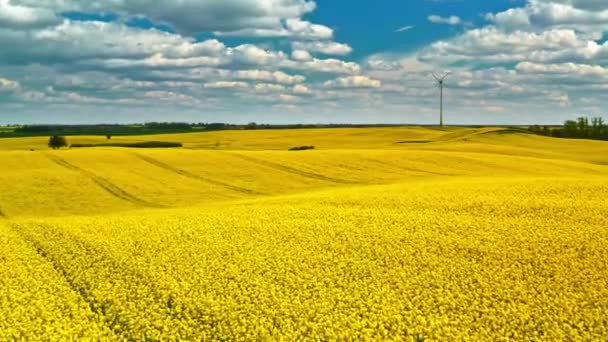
[
  {"x": 36, "y": 302},
  {"x": 188, "y": 174},
  {"x": 385, "y": 163},
  {"x": 289, "y": 169},
  {"x": 135, "y": 306},
  {"x": 105, "y": 184}
]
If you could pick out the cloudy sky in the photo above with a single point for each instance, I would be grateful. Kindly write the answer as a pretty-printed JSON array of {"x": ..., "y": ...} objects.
[{"x": 302, "y": 61}]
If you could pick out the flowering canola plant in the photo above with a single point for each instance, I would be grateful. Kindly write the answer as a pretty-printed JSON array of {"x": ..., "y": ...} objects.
[
  {"x": 469, "y": 236},
  {"x": 487, "y": 258}
]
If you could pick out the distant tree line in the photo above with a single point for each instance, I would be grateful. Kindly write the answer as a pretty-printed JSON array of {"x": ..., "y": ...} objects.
[
  {"x": 105, "y": 127},
  {"x": 581, "y": 128},
  {"x": 110, "y": 130}
]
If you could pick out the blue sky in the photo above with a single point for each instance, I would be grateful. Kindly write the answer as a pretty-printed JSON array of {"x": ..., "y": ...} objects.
[
  {"x": 370, "y": 27},
  {"x": 301, "y": 61}
]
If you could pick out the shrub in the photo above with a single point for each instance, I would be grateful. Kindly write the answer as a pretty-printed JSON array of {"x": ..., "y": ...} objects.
[{"x": 302, "y": 148}]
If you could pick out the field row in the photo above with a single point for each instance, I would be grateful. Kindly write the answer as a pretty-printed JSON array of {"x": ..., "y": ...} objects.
[
  {"x": 445, "y": 260},
  {"x": 100, "y": 181}
]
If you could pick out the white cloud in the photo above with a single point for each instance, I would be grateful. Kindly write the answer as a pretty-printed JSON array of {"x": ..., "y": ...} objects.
[
  {"x": 451, "y": 20},
  {"x": 268, "y": 88},
  {"x": 489, "y": 44},
  {"x": 588, "y": 18},
  {"x": 300, "y": 89},
  {"x": 15, "y": 16},
  {"x": 565, "y": 69},
  {"x": 405, "y": 28},
  {"x": 77, "y": 40},
  {"x": 301, "y": 56},
  {"x": 268, "y": 76},
  {"x": 353, "y": 82},
  {"x": 288, "y": 98},
  {"x": 115, "y": 46},
  {"x": 325, "y": 47},
  {"x": 8, "y": 85},
  {"x": 226, "y": 85},
  {"x": 330, "y": 65},
  {"x": 540, "y": 57},
  {"x": 597, "y": 5},
  {"x": 169, "y": 96},
  {"x": 293, "y": 28},
  {"x": 192, "y": 16},
  {"x": 302, "y": 28}
]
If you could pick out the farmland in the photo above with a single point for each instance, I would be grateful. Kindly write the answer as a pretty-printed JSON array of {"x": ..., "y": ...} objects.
[{"x": 378, "y": 234}]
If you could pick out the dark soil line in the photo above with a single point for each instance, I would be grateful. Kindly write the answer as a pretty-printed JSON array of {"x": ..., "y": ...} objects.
[
  {"x": 38, "y": 249},
  {"x": 292, "y": 170},
  {"x": 110, "y": 266},
  {"x": 415, "y": 142},
  {"x": 405, "y": 168},
  {"x": 187, "y": 174},
  {"x": 105, "y": 184}
]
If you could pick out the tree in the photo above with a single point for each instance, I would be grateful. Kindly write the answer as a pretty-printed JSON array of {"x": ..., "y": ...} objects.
[
  {"x": 583, "y": 127},
  {"x": 56, "y": 142},
  {"x": 570, "y": 129}
]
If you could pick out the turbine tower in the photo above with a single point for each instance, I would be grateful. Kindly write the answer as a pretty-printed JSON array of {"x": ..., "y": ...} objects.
[{"x": 440, "y": 80}]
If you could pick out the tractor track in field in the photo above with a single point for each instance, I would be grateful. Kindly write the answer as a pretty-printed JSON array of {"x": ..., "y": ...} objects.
[
  {"x": 37, "y": 248},
  {"x": 103, "y": 183},
  {"x": 191, "y": 175},
  {"x": 291, "y": 170},
  {"x": 86, "y": 290},
  {"x": 405, "y": 168}
]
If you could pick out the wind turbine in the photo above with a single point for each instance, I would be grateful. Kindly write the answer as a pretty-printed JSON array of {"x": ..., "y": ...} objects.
[{"x": 440, "y": 80}]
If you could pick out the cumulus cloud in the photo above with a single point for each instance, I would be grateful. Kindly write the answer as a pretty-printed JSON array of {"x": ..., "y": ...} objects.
[
  {"x": 8, "y": 85},
  {"x": 268, "y": 88},
  {"x": 226, "y": 85},
  {"x": 330, "y": 65},
  {"x": 544, "y": 55},
  {"x": 451, "y": 20},
  {"x": 325, "y": 47},
  {"x": 113, "y": 46},
  {"x": 583, "y": 4},
  {"x": 494, "y": 45},
  {"x": 564, "y": 68},
  {"x": 16, "y": 16},
  {"x": 301, "y": 89},
  {"x": 268, "y": 76},
  {"x": 291, "y": 28},
  {"x": 193, "y": 16},
  {"x": 588, "y": 16},
  {"x": 288, "y": 98},
  {"x": 301, "y": 55},
  {"x": 353, "y": 82},
  {"x": 302, "y": 28}
]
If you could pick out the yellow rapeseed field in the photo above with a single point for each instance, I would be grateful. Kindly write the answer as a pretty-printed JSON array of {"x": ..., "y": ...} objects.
[{"x": 473, "y": 235}]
